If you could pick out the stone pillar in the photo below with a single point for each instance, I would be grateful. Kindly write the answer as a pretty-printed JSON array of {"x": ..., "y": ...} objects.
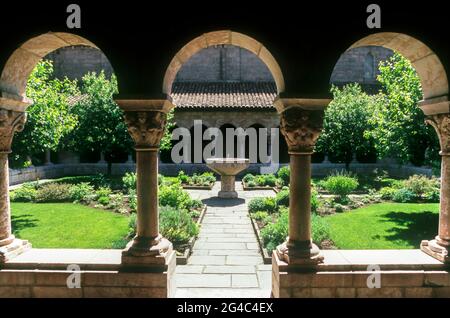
[
  {"x": 148, "y": 251},
  {"x": 301, "y": 129},
  {"x": 10, "y": 122},
  {"x": 440, "y": 246}
]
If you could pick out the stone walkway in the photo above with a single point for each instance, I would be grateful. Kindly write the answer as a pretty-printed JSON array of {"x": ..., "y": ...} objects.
[{"x": 226, "y": 261}]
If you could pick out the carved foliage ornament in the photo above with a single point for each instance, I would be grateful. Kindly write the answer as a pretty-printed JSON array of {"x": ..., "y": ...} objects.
[
  {"x": 301, "y": 128},
  {"x": 10, "y": 122},
  {"x": 441, "y": 123},
  {"x": 146, "y": 127}
]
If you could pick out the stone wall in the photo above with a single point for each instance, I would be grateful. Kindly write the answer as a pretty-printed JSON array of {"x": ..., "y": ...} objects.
[
  {"x": 76, "y": 61},
  {"x": 360, "y": 65},
  {"x": 243, "y": 118},
  {"x": 18, "y": 176},
  {"x": 224, "y": 63}
]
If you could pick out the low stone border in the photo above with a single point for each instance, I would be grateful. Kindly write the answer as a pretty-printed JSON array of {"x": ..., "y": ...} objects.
[
  {"x": 267, "y": 258},
  {"x": 182, "y": 259},
  {"x": 257, "y": 188},
  {"x": 197, "y": 187}
]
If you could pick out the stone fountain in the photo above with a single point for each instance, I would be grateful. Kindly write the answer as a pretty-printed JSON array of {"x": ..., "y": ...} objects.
[{"x": 228, "y": 168}]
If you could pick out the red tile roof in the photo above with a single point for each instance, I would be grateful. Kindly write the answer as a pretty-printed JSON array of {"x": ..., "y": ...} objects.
[{"x": 224, "y": 94}]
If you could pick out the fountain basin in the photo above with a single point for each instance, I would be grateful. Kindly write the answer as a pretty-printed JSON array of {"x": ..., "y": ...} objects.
[{"x": 228, "y": 168}]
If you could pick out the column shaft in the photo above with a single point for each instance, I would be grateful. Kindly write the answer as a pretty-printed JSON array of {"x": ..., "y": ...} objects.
[
  {"x": 444, "y": 215},
  {"x": 300, "y": 201},
  {"x": 147, "y": 193},
  {"x": 5, "y": 212}
]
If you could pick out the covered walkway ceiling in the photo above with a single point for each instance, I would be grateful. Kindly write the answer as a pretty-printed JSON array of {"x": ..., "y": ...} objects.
[{"x": 140, "y": 40}]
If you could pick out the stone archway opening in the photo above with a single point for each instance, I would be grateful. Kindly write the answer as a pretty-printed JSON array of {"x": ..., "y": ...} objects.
[{"x": 13, "y": 106}]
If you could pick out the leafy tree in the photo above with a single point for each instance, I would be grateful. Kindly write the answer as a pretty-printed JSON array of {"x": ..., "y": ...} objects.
[
  {"x": 101, "y": 126},
  {"x": 49, "y": 117},
  {"x": 166, "y": 141},
  {"x": 399, "y": 128},
  {"x": 345, "y": 124}
]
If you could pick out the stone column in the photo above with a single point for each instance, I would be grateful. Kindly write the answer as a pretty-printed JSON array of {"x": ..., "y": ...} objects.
[
  {"x": 10, "y": 122},
  {"x": 301, "y": 129},
  {"x": 148, "y": 247},
  {"x": 440, "y": 246}
]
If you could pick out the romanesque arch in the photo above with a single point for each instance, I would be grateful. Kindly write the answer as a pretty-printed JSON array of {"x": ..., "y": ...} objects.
[
  {"x": 18, "y": 68},
  {"x": 217, "y": 38},
  {"x": 427, "y": 64}
]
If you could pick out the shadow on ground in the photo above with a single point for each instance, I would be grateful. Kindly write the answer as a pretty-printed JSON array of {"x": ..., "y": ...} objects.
[
  {"x": 220, "y": 202},
  {"x": 412, "y": 228},
  {"x": 22, "y": 222}
]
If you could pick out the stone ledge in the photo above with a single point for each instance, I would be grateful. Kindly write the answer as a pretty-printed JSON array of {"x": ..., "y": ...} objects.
[{"x": 408, "y": 273}]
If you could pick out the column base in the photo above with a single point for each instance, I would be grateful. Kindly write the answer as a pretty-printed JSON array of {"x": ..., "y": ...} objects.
[
  {"x": 228, "y": 194},
  {"x": 14, "y": 248},
  {"x": 144, "y": 254},
  {"x": 307, "y": 256},
  {"x": 436, "y": 250}
]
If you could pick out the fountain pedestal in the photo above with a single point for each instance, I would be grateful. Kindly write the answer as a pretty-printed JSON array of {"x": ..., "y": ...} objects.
[{"x": 228, "y": 168}]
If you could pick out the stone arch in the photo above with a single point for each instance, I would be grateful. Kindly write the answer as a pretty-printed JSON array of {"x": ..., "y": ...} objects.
[
  {"x": 15, "y": 74},
  {"x": 217, "y": 38},
  {"x": 427, "y": 64}
]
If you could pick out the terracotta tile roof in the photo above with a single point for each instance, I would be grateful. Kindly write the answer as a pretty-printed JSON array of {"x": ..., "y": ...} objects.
[{"x": 224, "y": 94}]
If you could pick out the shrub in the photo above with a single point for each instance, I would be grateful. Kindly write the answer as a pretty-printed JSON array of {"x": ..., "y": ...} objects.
[
  {"x": 251, "y": 184},
  {"x": 248, "y": 177},
  {"x": 174, "y": 196},
  {"x": 315, "y": 203},
  {"x": 420, "y": 185},
  {"x": 208, "y": 178},
  {"x": 54, "y": 192},
  {"x": 79, "y": 192},
  {"x": 25, "y": 193},
  {"x": 129, "y": 181},
  {"x": 269, "y": 180},
  {"x": 387, "y": 193},
  {"x": 260, "y": 180},
  {"x": 432, "y": 196},
  {"x": 268, "y": 205},
  {"x": 276, "y": 233},
  {"x": 341, "y": 184},
  {"x": 116, "y": 202},
  {"x": 132, "y": 200},
  {"x": 103, "y": 195},
  {"x": 177, "y": 225},
  {"x": 284, "y": 175},
  {"x": 260, "y": 216},
  {"x": 273, "y": 234},
  {"x": 183, "y": 177},
  {"x": 194, "y": 204},
  {"x": 160, "y": 179},
  {"x": 320, "y": 229},
  {"x": 404, "y": 196},
  {"x": 282, "y": 198}
]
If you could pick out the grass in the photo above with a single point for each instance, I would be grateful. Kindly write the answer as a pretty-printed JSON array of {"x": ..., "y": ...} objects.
[
  {"x": 385, "y": 226},
  {"x": 67, "y": 225}
]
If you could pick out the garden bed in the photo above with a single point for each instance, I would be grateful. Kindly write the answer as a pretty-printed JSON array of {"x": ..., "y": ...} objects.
[
  {"x": 247, "y": 188},
  {"x": 182, "y": 259},
  {"x": 197, "y": 187},
  {"x": 267, "y": 257}
]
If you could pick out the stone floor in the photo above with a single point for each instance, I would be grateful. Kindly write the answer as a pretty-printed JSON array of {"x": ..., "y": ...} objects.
[{"x": 226, "y": 261}]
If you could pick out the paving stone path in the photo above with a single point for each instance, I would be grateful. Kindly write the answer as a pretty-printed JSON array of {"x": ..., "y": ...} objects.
[{"x": 226, "y": 261}]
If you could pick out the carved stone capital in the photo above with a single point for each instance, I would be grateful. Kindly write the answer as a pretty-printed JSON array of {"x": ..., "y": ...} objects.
[
  {"x": 10, "y": 122},
  {"x": 146, "y": 127},
  {"x": 301, "y": 128},
  {"x": 441, "y": 123}
]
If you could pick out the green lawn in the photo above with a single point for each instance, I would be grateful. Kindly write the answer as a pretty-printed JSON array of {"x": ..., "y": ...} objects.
[
  {"x": 385, "y": 226},
  {"x": 67, "y": 225}
]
